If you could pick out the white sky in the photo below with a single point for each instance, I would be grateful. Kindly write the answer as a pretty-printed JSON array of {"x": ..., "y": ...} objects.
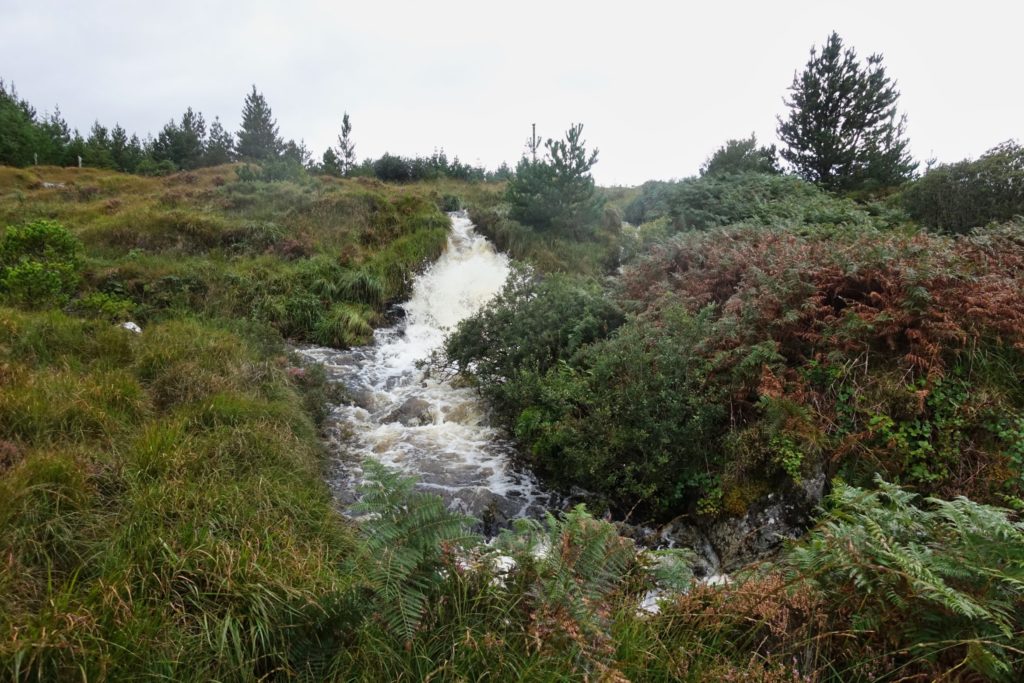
[{"x": 658, "y": 85}]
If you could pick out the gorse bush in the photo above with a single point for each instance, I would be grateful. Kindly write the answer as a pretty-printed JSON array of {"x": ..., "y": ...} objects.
[
  {"x": 528, "y": 329},
  {"x": 40, "y": 263},
  {"x": 741, "y": 156},
  {"x": 661, "y": 418}
]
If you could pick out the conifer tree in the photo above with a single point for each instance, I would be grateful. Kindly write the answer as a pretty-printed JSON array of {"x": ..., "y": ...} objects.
[
  {"x": 557, "y": 193},
  {"x": 220, "y": 145},
  {"x": 55, "y": 136},
  {"x": 330, "y": 164},
  {"x": 193, "y": 139},
  {"x": 296, "y": 152},
  {"x": 843, "y": 129},
  {"x": 258, "y": 138},
  {"x": 97, "y": 148},
  {"x": 346, "y": 148},
  {"x": 18, "y": 135},
  {"x": 126, "y": 152},
  {"x": 183, "y": 144},
  {"x": 741, "y": 156}
]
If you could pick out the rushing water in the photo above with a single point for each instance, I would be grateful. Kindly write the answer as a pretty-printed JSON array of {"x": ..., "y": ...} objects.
[{"x": 420, "y": 424}]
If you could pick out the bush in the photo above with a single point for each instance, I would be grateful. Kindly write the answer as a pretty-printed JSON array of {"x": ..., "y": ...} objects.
[
  {"x": 729, "y": 198},
  {"x": 40, "y": 263},
  {"x": 634, "y": 418},
  {"x": 108, "y": 306},
  {"x": 969, "y": 194},
  {"x": 391, "y": 168},
  {"x": 762, "y": 356},
  {"x": 532, "y": 326},
  {"x": 650, "y": 204},
  {"x": 741, "y": 156},
  {"x": 276, "y": 170},
  {"x": 150, "y": 167}
]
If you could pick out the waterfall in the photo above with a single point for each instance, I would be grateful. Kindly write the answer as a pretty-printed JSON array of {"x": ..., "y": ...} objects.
[{"x": 420, "y": 424}]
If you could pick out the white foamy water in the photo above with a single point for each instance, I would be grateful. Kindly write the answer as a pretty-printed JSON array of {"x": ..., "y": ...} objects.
[{"x": 423, "y": 425}]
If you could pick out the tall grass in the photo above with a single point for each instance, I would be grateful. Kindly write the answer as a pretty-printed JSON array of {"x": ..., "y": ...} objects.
[{"x": 162, "y": 509}]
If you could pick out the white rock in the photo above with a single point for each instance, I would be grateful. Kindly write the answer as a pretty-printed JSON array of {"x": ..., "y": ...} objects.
[
  {"x": 649, "y": 603},
  {"x": 132, "y": 327},
  {"x": 718, "y": 580}
]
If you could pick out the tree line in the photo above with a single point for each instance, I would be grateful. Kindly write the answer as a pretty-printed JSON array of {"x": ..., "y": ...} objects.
[{"x": 28, "y": 137}]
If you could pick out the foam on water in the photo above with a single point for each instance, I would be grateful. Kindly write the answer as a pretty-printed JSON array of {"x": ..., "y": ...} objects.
[{"x": 420, "y": 424}]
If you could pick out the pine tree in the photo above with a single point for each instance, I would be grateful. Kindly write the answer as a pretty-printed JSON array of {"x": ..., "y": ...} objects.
[
  {"x": 296, "y": 152},
  {"x": 18, "y": 133},
  {"x": 557, "y": 193},
  {"x": 843, "y": 129},
  {"x": 182, "y": 144},
  {"x": 741, "y": 156},
  {"x": 346, "y": 148},
  {"x": 97, "y": 148},
  {"x": 55, "y": 136},
  {"x": 192, "y": 145},
  {"x": 330, "y": 164},
  {"x": 220, "y": 145},
  {"x": 126, "y": 152},
  {"x": 258, "y": 139}
]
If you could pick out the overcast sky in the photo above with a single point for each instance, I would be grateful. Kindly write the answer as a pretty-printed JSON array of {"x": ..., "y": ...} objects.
[{"x": 658, "y": 85}]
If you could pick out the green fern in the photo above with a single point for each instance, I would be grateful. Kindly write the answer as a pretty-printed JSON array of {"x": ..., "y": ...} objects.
[
  {"x": 410, "y": 538},
  {"x": 944, "y": 579},
  {"x": 576, "y": 563}
]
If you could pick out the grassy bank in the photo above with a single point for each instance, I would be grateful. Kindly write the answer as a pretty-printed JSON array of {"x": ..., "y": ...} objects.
[
  {"x": 164, "y": 514},
  {"x": 163, "y": 511},
  {"x": 318, "y": 259}
]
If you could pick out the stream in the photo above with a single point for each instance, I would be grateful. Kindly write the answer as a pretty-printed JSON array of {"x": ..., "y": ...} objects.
[{"x": 423, "y": 425}]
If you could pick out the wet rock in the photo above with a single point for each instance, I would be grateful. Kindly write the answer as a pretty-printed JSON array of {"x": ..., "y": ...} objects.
[
  {"x": 783, "y": 514},
  {"x": 726, "y": 543},
  {"x": 364, "y": 397},
  {"x": 463, "y": 413},
  {"x": 679, "y": 533},
  {"x": 414, "y": 412}
]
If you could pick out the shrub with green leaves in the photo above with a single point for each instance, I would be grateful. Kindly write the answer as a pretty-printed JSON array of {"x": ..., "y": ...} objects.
[
  {"x": 970, "y": 194},
  {"x": 634, "y": 418},
  {"x": 40, "y": 263},
  {"x": 534, "y": 324}
]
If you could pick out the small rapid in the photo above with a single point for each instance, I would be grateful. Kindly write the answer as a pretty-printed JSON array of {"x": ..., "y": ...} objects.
[{"x": 419, "y": 424}]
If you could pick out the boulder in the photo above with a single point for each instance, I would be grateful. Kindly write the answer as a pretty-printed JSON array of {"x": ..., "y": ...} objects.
[{"x": 415, "y": 412}]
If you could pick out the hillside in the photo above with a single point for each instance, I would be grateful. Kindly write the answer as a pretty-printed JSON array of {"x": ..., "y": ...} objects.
[{"x": 749, "y": 340}]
